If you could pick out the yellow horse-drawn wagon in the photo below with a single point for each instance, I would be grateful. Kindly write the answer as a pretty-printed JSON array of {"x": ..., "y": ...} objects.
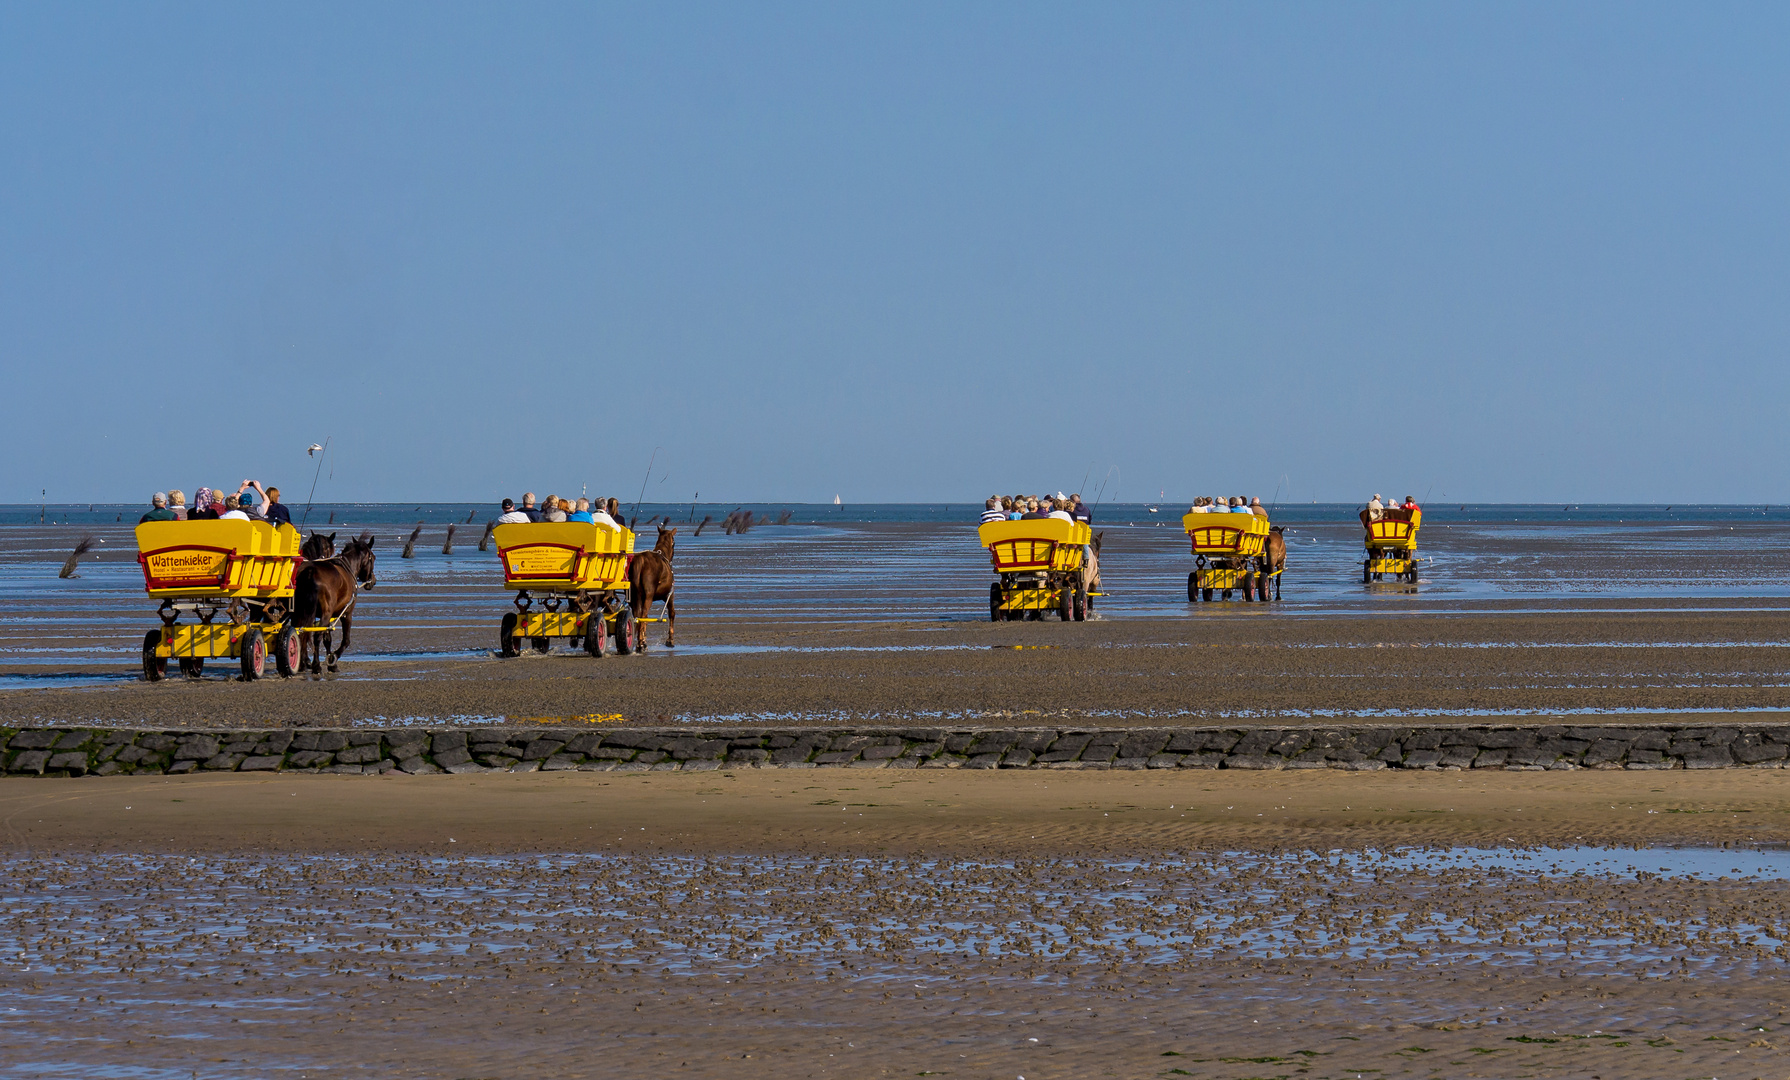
[
  {"x": 244, "y": 570},
  {"x": 577, "y": 566},
  {"x": 1231, "y": 553},
  {"x": 1041, "y": 567},
  {"x": 1391, "y": 545}
]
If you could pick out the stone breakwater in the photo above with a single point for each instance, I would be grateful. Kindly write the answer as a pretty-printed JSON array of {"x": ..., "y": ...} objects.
[{"x": 117, "y": 751}]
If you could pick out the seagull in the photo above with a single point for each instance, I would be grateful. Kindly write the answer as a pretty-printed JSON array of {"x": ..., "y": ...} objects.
[{"x": 311, "y": 450}]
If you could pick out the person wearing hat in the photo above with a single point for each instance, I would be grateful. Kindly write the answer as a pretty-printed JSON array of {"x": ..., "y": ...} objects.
[
  {"x": 1375, "y": 507},
  {"x": 158, "y": 509},
  {"x": 511, "y": 515}
]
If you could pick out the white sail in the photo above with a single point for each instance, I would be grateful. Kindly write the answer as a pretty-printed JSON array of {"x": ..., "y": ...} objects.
[{"x": 836, "y": 501}]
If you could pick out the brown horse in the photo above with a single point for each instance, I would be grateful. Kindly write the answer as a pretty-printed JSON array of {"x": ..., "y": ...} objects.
[
  {"x": 324, "y": 594},
  {"x": 1274, "y": 557},
  {"x": 649, "y": 579},
  {"x": 318, "y": 546}
]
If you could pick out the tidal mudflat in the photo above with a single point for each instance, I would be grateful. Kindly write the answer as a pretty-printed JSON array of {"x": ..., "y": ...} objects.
[{"x": 828, "y": 924}]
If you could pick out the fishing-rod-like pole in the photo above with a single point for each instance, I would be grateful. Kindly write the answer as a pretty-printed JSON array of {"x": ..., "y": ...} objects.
[
  {"x": 320, "y": 456},
  {"x": 649, "y": 475},
  {"x": 1104, "y": 479}
]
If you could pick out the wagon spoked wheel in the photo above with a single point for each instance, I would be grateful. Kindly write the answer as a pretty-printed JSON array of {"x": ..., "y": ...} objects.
[
  {"x": 994, "y": 602},
  {"x": 285, "y": 651},
  {"x": 593, "y": 634},
  {"x": 624, "y": 631},
  {"x": 506, "y": 636},
  {"x": 1193, "y": 587},
  {"x": 254, "y": 655},
  {"x": 1066, "y": 605},
  {"x": 155, "y": 668},
  {"x": 1081, "y": 602},
  {"x": 1247, "y": 581},
  {"x": 193, "y": 667}
]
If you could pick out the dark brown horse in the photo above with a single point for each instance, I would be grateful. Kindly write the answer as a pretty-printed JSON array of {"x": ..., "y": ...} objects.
[
  {"x": 324, "y": 594},
  {"x": 318, "y": 546},
  {"x": 649, "y": 579}
]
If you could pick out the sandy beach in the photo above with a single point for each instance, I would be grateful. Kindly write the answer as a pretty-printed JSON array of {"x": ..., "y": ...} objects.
[
  {"x": 819, "y": 922},
  {"x": 755, "y": 923}
]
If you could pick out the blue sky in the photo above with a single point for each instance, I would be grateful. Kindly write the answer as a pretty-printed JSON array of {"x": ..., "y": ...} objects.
[{"x": 898, "y": 252}]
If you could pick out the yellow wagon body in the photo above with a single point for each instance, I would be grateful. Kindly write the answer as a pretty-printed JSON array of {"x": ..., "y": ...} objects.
[
  {"x": 1229, "y": 549},
  {"x": 1047, "y": 544},
  {"x": 1226, "y": 535},
  {"x": 222, "y": 560},
  {"x": 246, "y": 570},
  {"x": 563, "y": 556},
  {"x": 1039, "y": 563},
  {"x": 579, "y": 564},
  {"x": 1392, "y": 545}
]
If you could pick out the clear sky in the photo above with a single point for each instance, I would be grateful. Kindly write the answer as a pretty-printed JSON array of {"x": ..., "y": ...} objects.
[{"x": 898, "y": 252}]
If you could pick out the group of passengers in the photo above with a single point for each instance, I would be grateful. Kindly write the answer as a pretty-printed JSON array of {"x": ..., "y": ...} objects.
[
  {"x": 250, "y": 503},
  {"x": 553, "y": 508},
  {"x": 1235, "y": 504},
  {"x": 1377, "y": 509},
  {"x": 1036, "y": 508}
]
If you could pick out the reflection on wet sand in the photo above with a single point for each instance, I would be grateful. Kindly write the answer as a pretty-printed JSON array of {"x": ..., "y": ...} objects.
[{"x": 729, "y": 963}]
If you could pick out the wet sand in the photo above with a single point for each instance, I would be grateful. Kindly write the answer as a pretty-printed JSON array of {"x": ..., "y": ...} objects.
[
  {"x": 1280, "y": 670},
  {"x": 835, "y": 923},
  {"x": 930, "y": 811},
  {"x": 766, "y": 923}
]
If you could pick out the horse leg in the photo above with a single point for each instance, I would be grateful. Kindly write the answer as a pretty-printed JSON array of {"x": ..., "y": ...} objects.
[
  {"x": 347, "y": 624},
  {"x": 670, "y": 621},
  {"x": 643, "y": 608}
]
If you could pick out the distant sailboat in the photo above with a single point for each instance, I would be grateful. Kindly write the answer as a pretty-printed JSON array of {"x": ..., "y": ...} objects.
[{"x": 836, "y": 501}]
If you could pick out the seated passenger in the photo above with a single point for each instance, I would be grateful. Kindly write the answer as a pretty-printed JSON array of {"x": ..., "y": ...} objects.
[
  {"x": 177, "y": 503},
  {"x": 528, "y": 507},
  {"x": 991, "y": 511},
  {"x": 1060, "y": 511},
  {"x": 610, "y": 517},
  {"x": 1375, "y": 507},
  {"x": 246, "y": 502},
  {"x": 1237, "y": 506},
  {"x": 158, "y": 509},
  {"x": 1410, "y": 504},
  {"x": 1034, "y": 512},
  {"x": 233, "y": 510},
  {"x": 202, "y": 510},
  {"x": 511, "y": 515},
  {"x": 275, "y": 510},
  {"x": 1256, "y": 508},
  {"x": 1079, "y": 510},
  {"x": 582, "y": 513}
]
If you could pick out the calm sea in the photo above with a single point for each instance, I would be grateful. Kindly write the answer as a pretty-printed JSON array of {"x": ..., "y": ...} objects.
[{"x": 817, "y": 513}]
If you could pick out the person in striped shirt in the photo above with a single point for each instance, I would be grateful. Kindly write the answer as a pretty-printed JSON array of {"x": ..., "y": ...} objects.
[{"x": 993, "y": 511}]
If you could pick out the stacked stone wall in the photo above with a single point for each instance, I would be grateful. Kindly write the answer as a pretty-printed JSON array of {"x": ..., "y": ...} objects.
[{"x": 118, "y": 751}]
